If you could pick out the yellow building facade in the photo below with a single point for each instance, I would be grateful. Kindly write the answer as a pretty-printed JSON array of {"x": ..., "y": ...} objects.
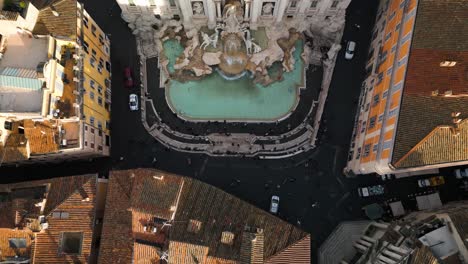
[{"x": 95, "y": 81}]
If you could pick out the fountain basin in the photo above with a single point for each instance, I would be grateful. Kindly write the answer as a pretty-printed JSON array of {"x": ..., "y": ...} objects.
[{"x": 214, "y": 98}]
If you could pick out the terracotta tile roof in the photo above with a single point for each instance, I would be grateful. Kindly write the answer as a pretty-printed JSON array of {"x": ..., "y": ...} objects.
[
  {"x": 159, "y": 203},
  {"x": 421, "y": 116},
  {"x": 81, "y": 219},
  {"x": 215, "y": 210},
  {"x": 41, "y": 136},
  {"x": 251, "y": 251},
  {"x": 6, "y": 251},
  {"x": 297, "y": 253},
  {"x": 438, "y": 36},
  {"x": 423, "y": 255},
  {"x": 184, "y": 253},
  {"x": 117, "y": 240},
  {"x": 145, "y": 254},
  {"x": 64, "y": 25},
  {"x": 15, "y": 148},
  {"x": 439, "y": 146}
]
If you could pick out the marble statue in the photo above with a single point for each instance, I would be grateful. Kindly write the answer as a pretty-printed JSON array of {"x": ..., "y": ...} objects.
[
  {"x": 267, "y": 9},
  {"x": 256, "y": 47},
  {"x": 197, "y": 8},
  {"x": 209, "y": 40}
]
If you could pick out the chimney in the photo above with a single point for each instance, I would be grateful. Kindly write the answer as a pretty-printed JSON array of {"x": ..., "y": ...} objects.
[{"x": 456, "y": 123}]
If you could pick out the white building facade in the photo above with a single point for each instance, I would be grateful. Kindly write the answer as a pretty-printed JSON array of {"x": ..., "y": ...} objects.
[{"x": 256, "y": 12}]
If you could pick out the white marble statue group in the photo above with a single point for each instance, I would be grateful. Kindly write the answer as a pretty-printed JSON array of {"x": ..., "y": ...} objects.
[{"x": 231, "y": 25}]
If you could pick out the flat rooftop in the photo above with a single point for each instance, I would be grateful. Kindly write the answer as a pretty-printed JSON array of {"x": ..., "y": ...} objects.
[{"x": 24, "y": 52}]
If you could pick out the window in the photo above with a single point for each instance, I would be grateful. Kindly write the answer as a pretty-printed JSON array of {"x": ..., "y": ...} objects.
[
  {"x": 85, "y": 46},
  {"x": 92, "y": 145},
  {"x": 99, "y": 147},
  {"x": 388, "y": 36},
  {"x": 374, "y": 149},
  {"x": 334, "y": 4},
  {"x": 366, "y": 150},
  {"x": 107, "y": 124},
  {"x": 101, "y": 39},
  {"x": 385, "y": 93},
  {"x": 99, "y": 89},
  {"x": 91, "y": 120},
  {"x": 70, "y": 243},
  {"x": 379, "y": 78},
  {"x": 93, "y": 29},
  {"x": 92, "y": 61},
  {"x": 376, "y": 100},
  {"x": 313, "y": 4},
  {"x": 60, "y": 215},
  {"x": 194, "y": 226},
  {"x": 380, "y": 118},
  {"x": 363, "y": 128},
  {"x": 372, "y": 122},
  {"x": 93, "y": 52},
  {"x": 152, "y": 2},
  {"x": 86, "y": 128},
  {"x": 393, "y": 112},
  {"x": 100, "y": 133},
  {"x": 172, "y": 3},
  {"x": 99, "y": 124},
  {"x": 293, "y": 4},
  {"x": 392, "y": 15},
  {"x": 393, "y": 48},
  {"x": 85, "y": 21},
  {"x": 86, "y": 143},
  {"x": 99, "y": 100},
  {"x": 108, "y": 66},
  {"x": 92, "y": 130},
  {"x": 131, "y": 2},
  {"x": 358, "y": 153},
  {"x": 17, "y": 243},
  {"x": 91, "y": 95},
  {"x": 92, "y": 84},
  {"x": 389, "y": 71},
  {"x": 397, "y": 27},
  {"x": 227, "y": 238}
]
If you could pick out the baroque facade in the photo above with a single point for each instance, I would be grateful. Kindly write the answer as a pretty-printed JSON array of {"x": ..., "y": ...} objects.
[{"x": 255, "y": 12}]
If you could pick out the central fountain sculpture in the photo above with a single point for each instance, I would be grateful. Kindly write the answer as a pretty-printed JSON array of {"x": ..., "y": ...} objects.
[{"x": 230, "y": 50}]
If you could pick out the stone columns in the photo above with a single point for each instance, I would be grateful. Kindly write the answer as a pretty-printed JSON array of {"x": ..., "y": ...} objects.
[
  {"x": 211, "y": 9},
  {"x": 256, "y": 9},
  {"x": 186, "y": 10},
  {"x": 283, "y": 4},
  {"x": 247, "y": 10},
  {"x": 219, "y": 14}
]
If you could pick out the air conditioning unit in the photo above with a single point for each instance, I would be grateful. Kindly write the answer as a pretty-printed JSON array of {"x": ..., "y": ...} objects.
[
  {"x": 76, "y": 79},
  {"x": 76, "y": 68},
  {"x": 64, "y": 142},
  {"x": 76, "y": 56},
  {"x": 155, "y": 230}
]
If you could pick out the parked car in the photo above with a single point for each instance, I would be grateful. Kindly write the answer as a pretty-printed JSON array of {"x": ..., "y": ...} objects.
[
  {"x": 350, "y": 47},
  {"x": 424, "y": 183},
  {"x": 461, "y": 173},
  {"x": 128, "y": 77},
  {"x": 133, "y": 102},
  {"x": 371, "y": 191},
  {"x": 274, "y": 204}
]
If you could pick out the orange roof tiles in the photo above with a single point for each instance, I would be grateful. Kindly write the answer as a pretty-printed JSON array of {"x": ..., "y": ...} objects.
[
  {"x": 216, "y": 210},
  {"x": 439, "y": 35},
  {"x": 6, "y": 251}
]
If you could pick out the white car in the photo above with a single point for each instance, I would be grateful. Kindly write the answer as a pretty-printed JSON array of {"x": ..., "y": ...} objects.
[
  {"x": 274, "y": 204},
  {"x": 424, "y": 183},
  {"x": 350, "y": 47},
  {"x": 133, "y": 102}
]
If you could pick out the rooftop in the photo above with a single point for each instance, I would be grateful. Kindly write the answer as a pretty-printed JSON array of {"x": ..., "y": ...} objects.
[
  {"x": 22, "y": 203},
  {"x": 191, "y": 220},
  {"x": 56, "y": 17},
  {"x": 436, "y": 86}
]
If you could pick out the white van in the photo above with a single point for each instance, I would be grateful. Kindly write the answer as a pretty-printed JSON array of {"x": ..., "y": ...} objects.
[{"x": 350, "y": 47}]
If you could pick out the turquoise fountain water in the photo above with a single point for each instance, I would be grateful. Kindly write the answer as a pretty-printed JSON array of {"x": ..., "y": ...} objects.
[{"x": 215, "y": 98}]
